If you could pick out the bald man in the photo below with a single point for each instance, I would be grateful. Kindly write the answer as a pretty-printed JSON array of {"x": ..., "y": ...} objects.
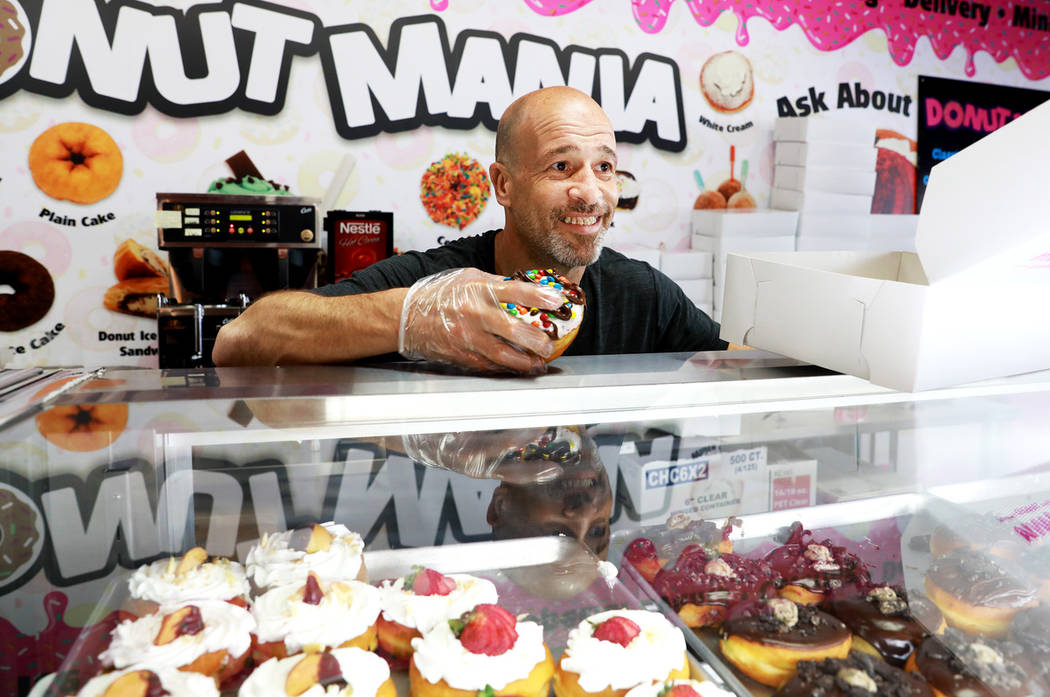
[{"x": 555, "y": 176}]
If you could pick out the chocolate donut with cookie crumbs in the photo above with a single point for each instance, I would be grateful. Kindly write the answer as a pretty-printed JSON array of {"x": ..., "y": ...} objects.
[
  {"x": 886, "y": 622},
  {"x": 766, "y": 640},
  {"x": 560, "y": 325},
  {"x": 978, "y": 594},
  {"x": 856, "y": 675},
  {"x": 956, "y": 665}
]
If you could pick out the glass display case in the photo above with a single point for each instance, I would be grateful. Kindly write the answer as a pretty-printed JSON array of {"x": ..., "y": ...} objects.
[{"x": 541, "y": 484}]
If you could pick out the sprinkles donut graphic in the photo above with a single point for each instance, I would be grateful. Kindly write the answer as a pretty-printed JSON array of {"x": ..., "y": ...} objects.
[
  {"x": 21, "y": 534},
  {"x": 14, "y": 39}
]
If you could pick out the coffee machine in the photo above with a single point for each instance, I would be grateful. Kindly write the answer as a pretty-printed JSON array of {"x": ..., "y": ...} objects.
[{"x": 226, "y": 251}]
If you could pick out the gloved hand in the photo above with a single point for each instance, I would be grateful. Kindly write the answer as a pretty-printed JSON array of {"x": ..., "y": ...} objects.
[
  {"x": 455, "y": 317},
  {"x": 482, "y": 454}
]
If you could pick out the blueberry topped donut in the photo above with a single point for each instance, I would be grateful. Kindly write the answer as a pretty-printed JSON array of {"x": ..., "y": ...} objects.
[{"x": 813, "y": 569}]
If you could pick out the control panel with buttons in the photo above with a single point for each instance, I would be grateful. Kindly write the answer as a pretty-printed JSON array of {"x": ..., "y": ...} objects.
[{"x": 206, "y": 220}]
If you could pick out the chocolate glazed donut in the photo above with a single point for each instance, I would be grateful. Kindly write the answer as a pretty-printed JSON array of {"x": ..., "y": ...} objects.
[
  {"x": 977, "y": 594},
  {"x": 857, "y": 674},
  {"x": 894, "y": 625},
  {"x": 34, "y": 291},
  {"x": 959, "y": 666}
]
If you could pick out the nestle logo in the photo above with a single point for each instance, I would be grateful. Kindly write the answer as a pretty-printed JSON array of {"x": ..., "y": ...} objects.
[{"x": 366, "y": 227}]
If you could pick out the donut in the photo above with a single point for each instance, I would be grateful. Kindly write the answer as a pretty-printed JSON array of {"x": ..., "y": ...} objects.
[
  {"x": 628, "y": 188},
  {"x": 680, "y": 688},
  {"x": 856, "y": 674},
  {"x": 34, "y": 291},
  {"x": 703, "y": 586},
  {"x": 730, "y": 187},
  {"x": 959, "y": 666},
  {"x": 886, "y": 623},
  {"x": 349, "y": 671},
  {"x": 811, "y": 570},
  {"x": 560, "y": 325},
  {"x": 767, "y": 639},
  {"x": 12, "y": 33},
  {"x": 133, "y": 260},
  {"x": 76, "y": 162},
  {"x": 896, "y": 177},
  {"x": 164, "y": 139},
  {"x": 726, "y": 82},
  {"x": 82, "y": 428},
  {"x": 612, "y": 652},
  {"x": 454, "y": 190},
  {"x": 977, "y": 594},
  {"x": 18, "y": 534},
  {"x": 42, "y": 241},
  {"x": 983, "y": 532},
  {"x": 1031, "y": 629}
]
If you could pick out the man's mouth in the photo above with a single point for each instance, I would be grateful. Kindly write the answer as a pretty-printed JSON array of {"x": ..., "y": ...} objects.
[{"x": 580, "y": 220}]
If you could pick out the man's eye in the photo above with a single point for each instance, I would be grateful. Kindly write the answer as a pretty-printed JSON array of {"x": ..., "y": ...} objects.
[{"x": 560, "y": 166}]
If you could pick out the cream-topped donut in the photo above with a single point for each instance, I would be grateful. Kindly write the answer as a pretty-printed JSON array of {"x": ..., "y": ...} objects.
[
  {"x": 704, "y": 688},
  {"x": 439, "y": 655},
  {"x": 363, "y": 674},
  {"x": 283, "y": 558},
  {"x": 163, "y": 581},
  {"x": 653, "y": 654},
  {"x": 222, "y": 626},
  {"x": 174, "y": 683},
  {"x": 340, "y": 612},
  {"x": 423, "y": 612},
  {"x": 560, "y": 325}
]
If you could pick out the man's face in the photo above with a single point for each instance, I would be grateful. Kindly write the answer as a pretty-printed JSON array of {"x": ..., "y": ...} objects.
[{"x": 563, "y": 183}]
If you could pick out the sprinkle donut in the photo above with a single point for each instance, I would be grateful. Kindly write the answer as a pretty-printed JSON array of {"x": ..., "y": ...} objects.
[
  {"x": 454, "y": 190},
  {"x": 13, "y": 39},
  {"x": 34, "y": 291},
  {"x": 19, "y": 533},
  {"x": 560, "y": 325}
]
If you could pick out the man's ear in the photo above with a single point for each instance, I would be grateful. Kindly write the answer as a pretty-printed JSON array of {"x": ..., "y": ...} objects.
[{"x": 499, "y": 175}]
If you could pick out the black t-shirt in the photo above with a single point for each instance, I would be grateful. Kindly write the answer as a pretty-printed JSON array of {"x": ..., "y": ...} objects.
[{"x": 631, "y": 307}]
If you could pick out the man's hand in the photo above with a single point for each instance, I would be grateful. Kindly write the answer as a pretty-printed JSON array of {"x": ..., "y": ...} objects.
[{"x": 456, "y": 317}]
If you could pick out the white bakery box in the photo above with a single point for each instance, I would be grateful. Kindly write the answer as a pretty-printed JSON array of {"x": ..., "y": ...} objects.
[{"x": 973, "y": 302}]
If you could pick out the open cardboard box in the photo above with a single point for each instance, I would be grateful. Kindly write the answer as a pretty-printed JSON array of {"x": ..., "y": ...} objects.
[{"x": 973, "y": 303}]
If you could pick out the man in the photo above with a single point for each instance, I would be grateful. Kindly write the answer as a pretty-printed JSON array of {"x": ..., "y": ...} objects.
[{"x": 555, "y": 176}]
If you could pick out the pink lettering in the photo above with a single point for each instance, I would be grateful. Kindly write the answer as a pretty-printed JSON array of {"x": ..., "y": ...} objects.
[
  {"x": 934, "y": 112},
  {"x": 953, "y": 115},
  {"x": 1026, "y": 532}
]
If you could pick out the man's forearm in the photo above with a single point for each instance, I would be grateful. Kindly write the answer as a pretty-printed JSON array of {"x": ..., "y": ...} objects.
[{"x": 299, "y": 327}]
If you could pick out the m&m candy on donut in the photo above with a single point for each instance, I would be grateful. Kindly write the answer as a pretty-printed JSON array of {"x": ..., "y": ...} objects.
[{"x": 560, "y": 325}]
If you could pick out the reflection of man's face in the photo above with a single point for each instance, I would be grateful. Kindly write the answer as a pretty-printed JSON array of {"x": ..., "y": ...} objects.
[{"x": 576, "y": 503}]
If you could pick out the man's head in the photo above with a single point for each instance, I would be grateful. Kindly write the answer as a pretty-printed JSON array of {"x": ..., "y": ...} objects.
[{"x": 555, "y": 176}]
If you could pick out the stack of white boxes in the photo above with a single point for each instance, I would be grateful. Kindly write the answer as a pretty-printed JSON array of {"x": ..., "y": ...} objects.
[
  {"x": 739, "y": 230},
  {"x": 824, "y": 168},
  {"x": 694, "y": 273}
]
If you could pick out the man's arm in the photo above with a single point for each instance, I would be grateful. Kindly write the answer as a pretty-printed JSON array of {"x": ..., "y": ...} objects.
[{"x": 299, "y": 327}]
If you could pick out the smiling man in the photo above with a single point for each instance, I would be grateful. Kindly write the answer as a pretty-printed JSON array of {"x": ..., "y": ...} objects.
[{"x": 555, "y": 176}]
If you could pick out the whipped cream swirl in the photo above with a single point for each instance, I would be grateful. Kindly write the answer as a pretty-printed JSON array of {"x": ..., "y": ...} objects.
[
  {"x": 176, "y": 683},
  {"x": 422, "y": 612},
  {"x": 226, "y": 627},
  {"x": 363, "y": 671},
  {"x": 346, "y": 611},
  {"x": 221, "y": 579},
  {"x": 703, "y": 688},
  {"x": 273, "y": 562},
  {"x": 439, "y": 656},
  {"x": 658, "y": 649}
]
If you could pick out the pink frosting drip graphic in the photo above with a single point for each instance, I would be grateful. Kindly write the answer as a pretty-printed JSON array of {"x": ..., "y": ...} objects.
[
  {"x": 832, "y": 24},
  {"x": 29, "y": 655}
]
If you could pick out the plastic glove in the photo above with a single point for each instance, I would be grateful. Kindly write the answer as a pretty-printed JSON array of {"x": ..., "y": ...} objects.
[
  {"x": 482, "y": 454},
  {"x": 455, "y": 317}
]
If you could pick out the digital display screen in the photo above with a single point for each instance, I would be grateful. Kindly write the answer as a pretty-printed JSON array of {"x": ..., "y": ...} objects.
[{"x": 240, "y": 216}]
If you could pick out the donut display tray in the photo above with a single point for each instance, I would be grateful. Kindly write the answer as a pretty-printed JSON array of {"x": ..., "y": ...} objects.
[
  {"x": 858, "y": 520},
  {"x": 554, "y": 580}
]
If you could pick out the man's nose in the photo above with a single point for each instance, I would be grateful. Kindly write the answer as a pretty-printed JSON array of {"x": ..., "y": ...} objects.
[{"x": 585, "y": 187}]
